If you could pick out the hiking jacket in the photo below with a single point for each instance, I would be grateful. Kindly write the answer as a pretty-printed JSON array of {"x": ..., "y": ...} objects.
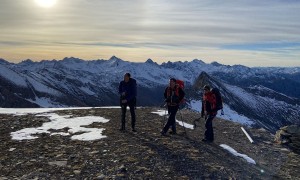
[
  {"x": 129, "y": 88},
  {"x": 173, "y": 96},
  {"x": 209, "y": 104}
]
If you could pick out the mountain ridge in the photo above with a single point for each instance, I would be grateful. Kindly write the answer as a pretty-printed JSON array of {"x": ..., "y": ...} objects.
[{"x": 76, "y": 82}]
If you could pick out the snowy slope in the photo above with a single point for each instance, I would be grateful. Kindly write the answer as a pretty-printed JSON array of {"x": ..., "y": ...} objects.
[
  {"x": 229, "y": 114},
  {"x": 255, "y": 105},
  {"x": 251, "y": 94}
]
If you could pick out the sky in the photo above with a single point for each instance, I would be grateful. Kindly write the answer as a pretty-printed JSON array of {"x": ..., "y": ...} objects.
[{"x": 251, "y": 33}]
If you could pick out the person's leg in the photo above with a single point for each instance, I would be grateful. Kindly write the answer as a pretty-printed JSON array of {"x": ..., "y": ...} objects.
[
  {"x": 174, "y": 111},
  {"x": 209, "y": 134},
  {"x": 171, "y": 119},
  {"x": 132, "y": 112},
  {"x": 174, "y": 128},
  {"x": 123, "y": 107}
]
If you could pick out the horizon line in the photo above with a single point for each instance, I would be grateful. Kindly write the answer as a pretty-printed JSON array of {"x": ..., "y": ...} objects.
[{"x": 164, "y": 62}]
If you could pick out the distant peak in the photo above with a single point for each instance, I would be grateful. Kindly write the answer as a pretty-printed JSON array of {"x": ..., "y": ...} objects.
[
  {"x": 26, "y": 62},
  {"x": 198, "y": 61},
  {"x": 203, "y": 79},
  {"x": 3, "y": 61},
  {"x": 203, "y": 74},
  {"x": 215, "y": 63},
  {"x": 114, "y": 58},
  {"x": 72, "y": 59},
  {"x": 150, "y": 61}
]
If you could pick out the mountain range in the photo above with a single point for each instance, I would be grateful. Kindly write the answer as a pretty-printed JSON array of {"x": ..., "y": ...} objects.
[{"x": 268, "y": 96}]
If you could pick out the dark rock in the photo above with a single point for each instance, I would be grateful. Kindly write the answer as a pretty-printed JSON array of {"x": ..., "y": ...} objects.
[{"x": 122, "y": 169}]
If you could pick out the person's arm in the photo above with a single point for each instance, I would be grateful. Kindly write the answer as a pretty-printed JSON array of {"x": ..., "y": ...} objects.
[{"x": 166, "y": 93}]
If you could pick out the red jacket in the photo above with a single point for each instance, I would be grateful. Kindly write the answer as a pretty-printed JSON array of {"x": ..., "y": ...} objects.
[{"x": 209, "y": 104}]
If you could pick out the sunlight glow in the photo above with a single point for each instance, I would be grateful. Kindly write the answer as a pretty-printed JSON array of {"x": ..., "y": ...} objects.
[{"x": 46, "y": 3}]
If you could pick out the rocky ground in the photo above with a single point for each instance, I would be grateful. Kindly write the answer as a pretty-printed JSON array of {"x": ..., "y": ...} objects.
[{"x": 144, "y": 154}]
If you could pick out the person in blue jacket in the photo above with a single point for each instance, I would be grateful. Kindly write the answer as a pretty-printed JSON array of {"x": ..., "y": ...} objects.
[{"x": 128, "y": 92}]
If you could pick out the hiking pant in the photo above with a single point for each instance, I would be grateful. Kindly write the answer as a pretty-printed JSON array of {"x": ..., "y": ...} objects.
[
  {"x": 174, "y": 124},
  {"x": 209, "y": 133},
  {"x": 172, "y": 110},
  {"x": 132, "y": 112}
]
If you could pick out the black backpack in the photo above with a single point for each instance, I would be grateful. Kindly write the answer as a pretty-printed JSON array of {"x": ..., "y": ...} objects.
[{"x": 219, "y": 101}]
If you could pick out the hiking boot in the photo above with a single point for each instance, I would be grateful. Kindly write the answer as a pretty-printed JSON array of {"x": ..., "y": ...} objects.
[
  {"x": 133, "y": 130},
  {"x": 172, "y": 132},
  {"x": 122, "y": 129},
  {"x": 162, "y": 133}
]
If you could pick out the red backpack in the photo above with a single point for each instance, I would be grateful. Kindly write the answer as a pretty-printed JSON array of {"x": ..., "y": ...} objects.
[{"x": 180, "y": 83}]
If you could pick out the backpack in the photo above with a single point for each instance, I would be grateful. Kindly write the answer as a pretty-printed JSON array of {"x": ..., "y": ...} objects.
[
  {"x": 219, "y": 101},
  {"x": 180, "y": 83}
]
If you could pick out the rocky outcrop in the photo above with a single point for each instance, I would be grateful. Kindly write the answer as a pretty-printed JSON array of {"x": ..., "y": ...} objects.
[{"x": 290, "y": 136}]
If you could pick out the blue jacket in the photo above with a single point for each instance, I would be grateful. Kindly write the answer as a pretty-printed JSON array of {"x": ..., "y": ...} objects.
[{"x": 129, "y": 88}]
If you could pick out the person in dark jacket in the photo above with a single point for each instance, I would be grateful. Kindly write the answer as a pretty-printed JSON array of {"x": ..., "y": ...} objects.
[
  {"x": 128, "y": 92},
  {"x": 173, "y": 96},
  {"x": 209, "y": 112}
]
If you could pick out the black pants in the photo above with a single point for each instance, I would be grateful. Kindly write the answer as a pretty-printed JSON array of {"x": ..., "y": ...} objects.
[
  {"x": 209, "y": 133},
  {"x": 172, "y": 110},
  {"x": 174, "y": 124},
  {"x": 132, "y": 112}
]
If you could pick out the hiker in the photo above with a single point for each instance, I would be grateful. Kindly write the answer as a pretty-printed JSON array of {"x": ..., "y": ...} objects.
[
  {"x": 128, "y": 92},
  {"x": 209, "y": 111},
  {"x": 173, "y": 96}
]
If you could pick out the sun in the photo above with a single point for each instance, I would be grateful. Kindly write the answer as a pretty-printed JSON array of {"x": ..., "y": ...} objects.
[{"x": 46, "y": 3}]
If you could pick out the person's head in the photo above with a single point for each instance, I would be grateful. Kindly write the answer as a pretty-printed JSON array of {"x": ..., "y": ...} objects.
[
  {"x": 172, "y": 82},
  {"x": 127, "y": 77},
  {"x": 206, "y": 88}
]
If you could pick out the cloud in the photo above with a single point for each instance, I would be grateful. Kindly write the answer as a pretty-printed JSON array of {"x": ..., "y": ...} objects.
[{"x": 156, "y": 25}]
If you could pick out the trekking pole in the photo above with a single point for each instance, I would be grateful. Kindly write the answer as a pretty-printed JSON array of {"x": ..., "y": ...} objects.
[
  {"x": 164, "y": 120},
  {"x": 182, "y": 121}
]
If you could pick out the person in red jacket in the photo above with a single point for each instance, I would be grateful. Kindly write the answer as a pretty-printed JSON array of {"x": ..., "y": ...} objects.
[
  {"x": 209, "y": 112},
  {"x": 173, "y": 96}
]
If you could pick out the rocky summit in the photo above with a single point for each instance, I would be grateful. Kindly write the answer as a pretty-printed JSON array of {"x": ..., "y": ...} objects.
[{"x": 66, "y": 153}]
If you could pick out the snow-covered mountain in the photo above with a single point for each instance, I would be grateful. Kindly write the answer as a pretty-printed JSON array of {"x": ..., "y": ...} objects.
[
  {"x": 262, "y": 94},
  {"x": 263, "y": 106}
]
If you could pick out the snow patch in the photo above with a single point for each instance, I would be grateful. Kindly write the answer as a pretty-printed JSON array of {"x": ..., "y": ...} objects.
[
  {"x": 243, "y": 95},
  {"x": 229, "y": 114},
  {"x": 58, "y": 122},
  {"x": 181, "y": 123},
  {"x": 186, "y": 125},
  {"x": 45, "y": 102},
  {"x": 160, "y": 112},
  {"x": 25, "y": 111},
  {"x": 234, "y": 152},
  {"x": 11, "y": 149}
]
